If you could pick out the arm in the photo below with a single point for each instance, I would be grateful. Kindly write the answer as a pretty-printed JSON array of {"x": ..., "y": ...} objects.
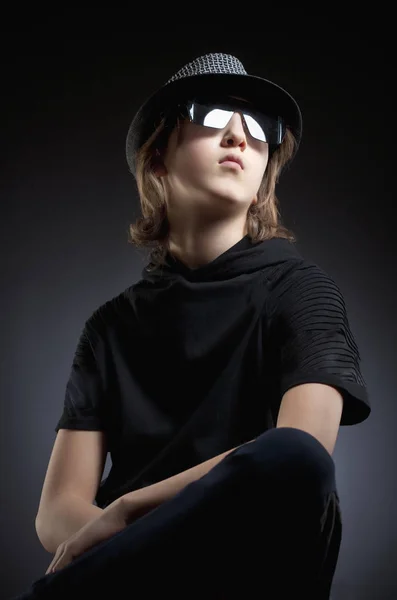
[
  {"x": 71, "y": 482},
  {"x": 321, "y": 384},
  {"x": 68, "y": 515},
  {"x": 314, "y": 408},
  {"x": 65, "y": 515},
  {"x": 153, "y": 495}
]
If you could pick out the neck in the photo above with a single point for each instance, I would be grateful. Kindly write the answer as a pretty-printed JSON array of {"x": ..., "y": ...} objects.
[{"x": 198, "y": 248}]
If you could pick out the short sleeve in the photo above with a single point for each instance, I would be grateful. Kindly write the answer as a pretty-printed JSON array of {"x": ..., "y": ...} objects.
[
  {"x": 314, "y": 341},
  {"x": 84, "y": 397}
]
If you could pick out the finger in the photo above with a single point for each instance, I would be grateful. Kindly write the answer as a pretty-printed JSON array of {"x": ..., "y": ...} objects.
[
  {"x": 52, "y": 565},
  {"x": 62, "y": 561},
  {"x": 55, "y": 561},
  {"x": 50, "y": 570}
]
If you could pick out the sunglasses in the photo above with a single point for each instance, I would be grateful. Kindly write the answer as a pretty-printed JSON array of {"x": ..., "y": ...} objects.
[{"x": 217, "y": 114}]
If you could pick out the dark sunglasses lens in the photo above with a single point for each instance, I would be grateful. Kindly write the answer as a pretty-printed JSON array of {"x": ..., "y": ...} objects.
[
  {"x": 257, "y": 129},
  {"x": 265, "y": 128}
]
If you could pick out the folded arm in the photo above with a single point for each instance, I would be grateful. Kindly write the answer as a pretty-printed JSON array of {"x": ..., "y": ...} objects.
[{"x": 153, "y": 495}]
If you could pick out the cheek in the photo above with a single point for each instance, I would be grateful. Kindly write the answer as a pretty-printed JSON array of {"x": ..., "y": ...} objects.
[
  {"x": 257, "y": 176},
  {"x": 193, "y": 158},
  {"x": 262, "y": 169},
  {"x": 262, "y": 166}
]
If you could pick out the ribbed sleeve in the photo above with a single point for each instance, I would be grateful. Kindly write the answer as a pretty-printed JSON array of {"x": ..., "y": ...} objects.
[
  {"x": 311, "y": 331},
  {"x": 84, "y": 399}
]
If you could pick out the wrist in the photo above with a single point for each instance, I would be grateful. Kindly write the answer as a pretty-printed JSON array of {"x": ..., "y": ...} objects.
[
  {"x": 137, "y": 503},
  {"x": 123, "y": 507}
]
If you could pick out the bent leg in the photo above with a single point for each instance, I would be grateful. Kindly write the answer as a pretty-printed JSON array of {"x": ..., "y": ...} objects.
[
  {"x": 294, "y": 514},
  {"x": 254, "y": 523}
]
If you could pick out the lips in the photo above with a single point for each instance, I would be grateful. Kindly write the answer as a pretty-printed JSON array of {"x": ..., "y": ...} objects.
[{"x": 232, "y": 158}]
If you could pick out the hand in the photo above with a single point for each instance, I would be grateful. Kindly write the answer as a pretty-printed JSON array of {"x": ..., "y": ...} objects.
[{"x": 111, "y": 521}]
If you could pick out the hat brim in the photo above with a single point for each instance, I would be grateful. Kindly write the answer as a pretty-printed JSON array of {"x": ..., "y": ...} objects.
[{"x": 262, "y": 93}]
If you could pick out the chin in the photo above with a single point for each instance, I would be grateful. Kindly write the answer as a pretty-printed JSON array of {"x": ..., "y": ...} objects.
[{"x": 232, "y": 196}]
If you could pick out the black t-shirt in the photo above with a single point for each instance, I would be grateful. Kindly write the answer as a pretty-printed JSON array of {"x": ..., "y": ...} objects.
[{"x": 188, "y": 363}]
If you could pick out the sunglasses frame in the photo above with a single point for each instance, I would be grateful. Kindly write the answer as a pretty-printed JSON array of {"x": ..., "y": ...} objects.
[{"x": 235, "y": 105}]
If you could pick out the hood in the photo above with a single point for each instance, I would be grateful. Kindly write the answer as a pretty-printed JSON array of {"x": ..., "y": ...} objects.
[{"x": 244, "y": 257}]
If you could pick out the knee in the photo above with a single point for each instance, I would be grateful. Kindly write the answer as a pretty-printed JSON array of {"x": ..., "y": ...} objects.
[{"x": 292, "y": 457}]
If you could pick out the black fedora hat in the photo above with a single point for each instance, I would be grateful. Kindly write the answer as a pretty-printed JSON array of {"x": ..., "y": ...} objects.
[{"x": 216, "y": 72}]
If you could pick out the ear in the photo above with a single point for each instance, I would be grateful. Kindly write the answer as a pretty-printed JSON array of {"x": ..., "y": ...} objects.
[
  {"x": 159, "y": 167},
  {"x": 160, "y": 170}
]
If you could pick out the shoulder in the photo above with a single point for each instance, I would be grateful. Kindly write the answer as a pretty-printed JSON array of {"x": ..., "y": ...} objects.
[
  {"x": 301, "y": 282},
  {"x": 109, "y": 315}
]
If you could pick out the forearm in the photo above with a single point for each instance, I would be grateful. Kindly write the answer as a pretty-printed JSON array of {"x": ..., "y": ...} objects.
[
  {"x": 64, "y": 518},
  {"x": 153, "y": 495}
]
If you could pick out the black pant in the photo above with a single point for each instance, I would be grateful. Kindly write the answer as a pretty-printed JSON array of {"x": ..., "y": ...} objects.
[{"x": 265, "y": 520}]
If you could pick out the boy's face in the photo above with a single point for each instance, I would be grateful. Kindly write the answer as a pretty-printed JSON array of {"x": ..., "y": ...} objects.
[{"x": 195, "y": 177}]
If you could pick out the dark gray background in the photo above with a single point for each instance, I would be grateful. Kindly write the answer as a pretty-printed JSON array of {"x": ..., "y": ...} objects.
[{"x": 67, "y": 200}]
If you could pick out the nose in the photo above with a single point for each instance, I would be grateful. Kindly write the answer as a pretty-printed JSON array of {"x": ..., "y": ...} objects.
[{"x": 234, "y": 133}]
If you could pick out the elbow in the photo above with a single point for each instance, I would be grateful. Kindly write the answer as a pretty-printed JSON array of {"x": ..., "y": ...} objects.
[{"x": 44, "y": 538}]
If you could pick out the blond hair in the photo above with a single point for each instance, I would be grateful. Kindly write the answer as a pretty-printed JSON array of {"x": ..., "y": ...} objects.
[{"x": 152, "y": 228}]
